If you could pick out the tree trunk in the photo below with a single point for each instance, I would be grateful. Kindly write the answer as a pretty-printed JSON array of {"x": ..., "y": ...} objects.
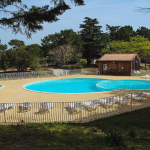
[
  {"x": 88, "y": 61},
  {"x": 145, "y": 66}
]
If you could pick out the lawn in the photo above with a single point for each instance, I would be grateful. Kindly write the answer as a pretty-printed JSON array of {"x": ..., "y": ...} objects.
[{"x": 129, "y": 131}]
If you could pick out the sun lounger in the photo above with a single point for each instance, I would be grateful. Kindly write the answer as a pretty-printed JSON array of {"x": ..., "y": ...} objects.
[
  {"x": 107, "y": 102},
  {"x": 25, "y": 106},
  {"x": 145, "y": 94},
  {"x": 90, "y": 105},
  {"x": 7, "y": 106},
  {"x": 75, "y": 107},
  {"x": 123, "y": 101},
  {"x": 2, "y": 107},
  {"x": 10, "y": 105},
  {"x": 137, "y": 72},
  {"x": 137, "y": 97},
  {"x": 146, "y": 76},
  {"x": 46, "y": 107}
]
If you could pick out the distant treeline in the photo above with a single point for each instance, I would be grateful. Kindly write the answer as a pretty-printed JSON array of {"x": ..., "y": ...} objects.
[{"x": 67, "y": 46}]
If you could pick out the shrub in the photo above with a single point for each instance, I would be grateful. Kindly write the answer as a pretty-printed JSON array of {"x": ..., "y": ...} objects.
[
  {"x": 66, "y": 67},
  {"x": 83, "y": 61},
  {"x": 94, "y": 129},
  {"x": 78, "y": 66},
  {"x": 43, "y": 61},
  {"x": 133, "y": 132},
  {"x": 114, "y": 137}
]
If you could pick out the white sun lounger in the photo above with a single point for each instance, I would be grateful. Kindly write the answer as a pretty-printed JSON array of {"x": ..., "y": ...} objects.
[
  {"x": 146, "y": 76},
  {"x": 123, "y": 101},
  {"x": 10, "y": 105},
  {"x": 7, "y": 106},
  {"x": 145, "y": 94},
  {"x": 46, "y": 107},
  {"x": 137, "y": 72},
  {"x": 75, "y": 107},
  {"x": 25, "y": 106},
  {"x": 107, "y": 102},
  {"x": 2, "y": 107},
  {"x": 137, "y": 97},
  {"x": 90, "y": 105}
]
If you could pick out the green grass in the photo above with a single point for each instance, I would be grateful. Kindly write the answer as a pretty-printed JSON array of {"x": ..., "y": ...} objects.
[{"x": 129, "y": 131}]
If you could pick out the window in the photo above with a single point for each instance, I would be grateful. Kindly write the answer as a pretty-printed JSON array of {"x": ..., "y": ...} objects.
[{"x": 105, "y": 67}]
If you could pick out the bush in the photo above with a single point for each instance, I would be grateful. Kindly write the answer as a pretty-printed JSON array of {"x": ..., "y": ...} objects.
[
  {"x": 133, "y": 132},
  {"x": 78, "y": 66},
  {"x": 43, "y": 61},
  {"x": 114, "y": 137},
  {"x": 83, "y": 61},
  {"x": 94, "y": 129},
  {"x": 71, "y": 67}
]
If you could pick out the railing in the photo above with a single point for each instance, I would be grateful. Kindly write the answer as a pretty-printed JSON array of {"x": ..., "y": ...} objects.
[
  {"x": 78, "y": 112},
  {"x": 37, "y": 74}
]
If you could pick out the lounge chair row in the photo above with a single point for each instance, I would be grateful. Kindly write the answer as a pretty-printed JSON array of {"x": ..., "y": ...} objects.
[
  {"x": 92, "y": 105},
  {"x": 88, "y": 105},
  {"x": 145, "y": 77}
]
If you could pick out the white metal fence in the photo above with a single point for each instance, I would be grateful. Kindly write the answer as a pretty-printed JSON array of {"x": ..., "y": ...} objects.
[
  {"x": 37, "y": 74},
  {"x": 73, "y": 111}
]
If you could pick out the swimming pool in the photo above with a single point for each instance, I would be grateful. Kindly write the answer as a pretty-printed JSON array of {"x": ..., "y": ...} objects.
[{"x": 85, "y": 85}]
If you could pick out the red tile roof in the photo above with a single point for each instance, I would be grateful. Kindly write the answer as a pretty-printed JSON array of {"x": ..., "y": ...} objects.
[{"x": 117, "y": 57}]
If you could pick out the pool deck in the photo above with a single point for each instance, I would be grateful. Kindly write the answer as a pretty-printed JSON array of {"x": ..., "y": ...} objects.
[{"x": 12, "y": 91}]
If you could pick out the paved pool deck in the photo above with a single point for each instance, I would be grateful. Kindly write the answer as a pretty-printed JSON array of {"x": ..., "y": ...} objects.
[{"x": 12, "y": 92}]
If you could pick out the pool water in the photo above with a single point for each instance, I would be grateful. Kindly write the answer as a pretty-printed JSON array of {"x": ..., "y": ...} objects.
[
  {"x": 85, "y": 85},
  {"x": 124, "y": 84}
]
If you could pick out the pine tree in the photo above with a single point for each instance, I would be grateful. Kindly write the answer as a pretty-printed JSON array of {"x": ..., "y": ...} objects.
[
  {"x": 24, "y": 20},
  {"x": 93, "y": 39}
]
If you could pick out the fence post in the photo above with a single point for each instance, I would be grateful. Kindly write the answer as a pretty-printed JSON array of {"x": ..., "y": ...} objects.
[
  {"x": 118, "y": 105},
  {"x": 4, "y": 112},
  {"x": 131, "y": 103},
  {"x": 80, "y": 116}
]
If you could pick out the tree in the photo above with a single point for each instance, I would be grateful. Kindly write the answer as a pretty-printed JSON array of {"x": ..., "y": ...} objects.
[
  {"x": 139, "y": 45},
  {"x": 93, "y": 38},
  {"x": 28, "y": 20},
  {"x": 25, "y": 59},
  {"x": 118, "y": 33},
  {"x": 16, "y": 43},
  {"x": 3, "y": 57},
  {"x": 35, "y": 49},
  {"x": 63, "y": 54},
  {"x": 64, "y": 37},
  {"x": 12, "y": 57},
  {"x": 143, "y": 31}
]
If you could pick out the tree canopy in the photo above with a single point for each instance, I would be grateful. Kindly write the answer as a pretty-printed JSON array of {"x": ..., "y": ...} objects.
[
  {"x": 118, "y": 33},
  {"x": 63, "y": 54},
  {"x": 24, "y": 20},
  {"x": 64, "y": 37},
  {"x": 93, "y": 38},
  {"x": 16, "y": 43},
  {"x": 139, "y": 45}
]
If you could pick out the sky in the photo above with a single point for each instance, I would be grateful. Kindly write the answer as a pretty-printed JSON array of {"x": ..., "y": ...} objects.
[{"x": 111, "y": 12}]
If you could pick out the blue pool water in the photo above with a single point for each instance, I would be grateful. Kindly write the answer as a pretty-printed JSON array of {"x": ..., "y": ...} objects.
[
  {"x": 124, "y": 84},
  {"x": 85, "y": 85}
]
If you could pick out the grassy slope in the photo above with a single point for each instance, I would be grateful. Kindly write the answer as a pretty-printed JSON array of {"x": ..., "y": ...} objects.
[{"x": 89, "y": 136}]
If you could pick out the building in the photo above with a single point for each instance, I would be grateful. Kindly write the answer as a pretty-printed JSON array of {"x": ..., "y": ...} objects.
[{"x": 118, "y": 64}]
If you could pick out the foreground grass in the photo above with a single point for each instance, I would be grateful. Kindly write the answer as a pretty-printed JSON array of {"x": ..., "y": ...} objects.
[{"x": 130, "y": 131}]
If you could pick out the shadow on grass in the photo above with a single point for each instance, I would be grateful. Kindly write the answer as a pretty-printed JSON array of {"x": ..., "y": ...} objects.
[{"x": 71, "y": 136}]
